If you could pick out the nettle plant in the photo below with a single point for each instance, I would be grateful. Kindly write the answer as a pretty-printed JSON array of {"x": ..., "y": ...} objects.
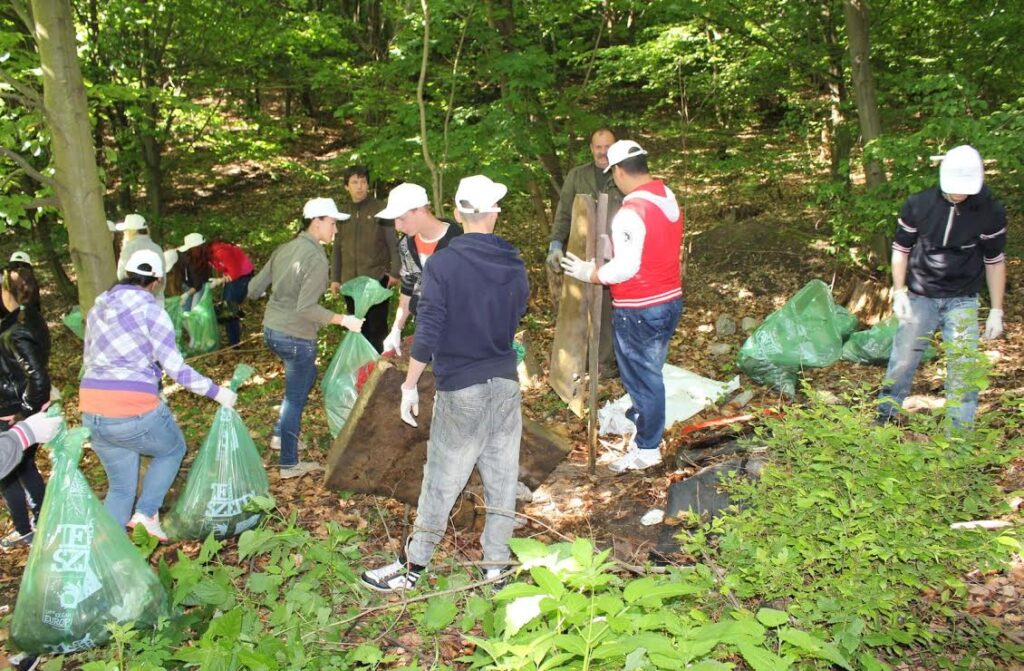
[{"x": 580, "y": 614}]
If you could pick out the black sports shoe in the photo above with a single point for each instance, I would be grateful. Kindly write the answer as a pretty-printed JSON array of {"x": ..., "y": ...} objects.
[{"x": 394, "y": 577}]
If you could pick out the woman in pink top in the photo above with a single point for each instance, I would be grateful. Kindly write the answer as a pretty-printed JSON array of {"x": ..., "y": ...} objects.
[{"x": 201, "y": 259}]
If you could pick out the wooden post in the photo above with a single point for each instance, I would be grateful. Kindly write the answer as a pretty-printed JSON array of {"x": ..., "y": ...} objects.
[{"x": 596, "y": 236}]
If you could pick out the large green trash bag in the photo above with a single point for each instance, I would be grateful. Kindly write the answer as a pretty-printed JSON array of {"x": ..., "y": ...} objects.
[
  {"x": 226, "y": 473},
  {"x": 73, "y": 320},
  {"x": 874, "y": 345},
  {"x": 172, "y": 306},
  {"x": 201, "y": 324},
  {"x": 807, "y": 332},
  {"x": 354, "y": 357},
  {"x": 83, "y": 573}
]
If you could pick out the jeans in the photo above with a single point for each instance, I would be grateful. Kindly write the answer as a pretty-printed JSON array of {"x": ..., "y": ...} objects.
[
  {"x": 299, "y": 357},
  {"x": 234, "y": 293},
  {"x": 641, "y": 347},
  {"x": 477, "y": 426},
  {"x": 958, "y": 318},
  {"x": 119, "y": 442},
  {"x": 23, "y": 490}
]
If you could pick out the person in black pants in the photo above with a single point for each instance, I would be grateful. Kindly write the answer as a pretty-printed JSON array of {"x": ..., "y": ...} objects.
[{"x": 24, "y": 391}]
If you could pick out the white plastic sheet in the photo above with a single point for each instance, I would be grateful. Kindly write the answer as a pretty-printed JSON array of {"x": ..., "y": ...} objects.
[{"x": 686, "y": 394}]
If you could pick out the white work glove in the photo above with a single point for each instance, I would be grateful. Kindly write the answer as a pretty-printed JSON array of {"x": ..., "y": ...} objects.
[
  {"x": 410, "y": 405},
  {"x": 42, "y": 428},
  {"x": 226, "y": 397},
  {"x": 577, "y": 267},
  {"x": 217, "y": 281},
  {"x": 394, "y": 341},
  {"x": 993, "y": 325},
  {"x": 901, "y": 305},
  {"x": 352, "y": 323},
  {"x": 555, "y": 257}
]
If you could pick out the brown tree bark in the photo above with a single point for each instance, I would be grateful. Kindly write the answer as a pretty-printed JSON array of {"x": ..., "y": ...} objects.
[
  {"x": 858, "y": 39},
  {"x": 77, "y": 179}
]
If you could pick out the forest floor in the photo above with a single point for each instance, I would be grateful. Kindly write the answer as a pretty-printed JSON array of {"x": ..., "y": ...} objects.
[{"x": 751, "y": 243}]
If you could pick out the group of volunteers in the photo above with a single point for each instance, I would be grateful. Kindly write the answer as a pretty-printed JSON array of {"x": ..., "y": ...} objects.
[{"x": 467, "y": 290}]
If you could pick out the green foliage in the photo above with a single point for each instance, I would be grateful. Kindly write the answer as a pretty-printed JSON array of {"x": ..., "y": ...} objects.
[{"x": 850, "y": 526}]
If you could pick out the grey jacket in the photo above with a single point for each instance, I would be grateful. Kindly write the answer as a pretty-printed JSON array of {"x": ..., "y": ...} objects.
[
  {"x": 298, "y": 272},
  {"x": 12, "y": 447}
]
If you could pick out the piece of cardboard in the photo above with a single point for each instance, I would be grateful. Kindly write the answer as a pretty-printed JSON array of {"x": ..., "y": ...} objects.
[{"x": 377, "y": 453}]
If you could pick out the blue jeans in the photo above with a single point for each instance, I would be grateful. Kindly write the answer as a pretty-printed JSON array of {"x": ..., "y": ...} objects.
[
  {"x": 641, "y": 347},
  {"x": 479, "y": 426},
  {"x": 958, "y": 318},
  {"x": 120, "y": 442},
  {"x": 234, "y": 293},
  {"x": 299, "y": 357}
]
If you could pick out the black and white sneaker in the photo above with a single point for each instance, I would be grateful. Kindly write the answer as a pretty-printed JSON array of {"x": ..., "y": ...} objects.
[
  {"x": 495, "y": 577},
  {"x": 24, "y": 662},
  {"x": 394, "y": 577}
]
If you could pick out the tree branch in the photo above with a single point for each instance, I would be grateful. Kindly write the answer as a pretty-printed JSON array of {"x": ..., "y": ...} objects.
[
  {"x": 27, "y": 167},
  {"x": 424, "y": 143},
  {"x": 29, "y": 96},
  {"x": 21, "y": 8}
]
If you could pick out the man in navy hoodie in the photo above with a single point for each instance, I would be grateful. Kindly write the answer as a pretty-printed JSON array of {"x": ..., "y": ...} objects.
[{"x": 474, "y": 294}]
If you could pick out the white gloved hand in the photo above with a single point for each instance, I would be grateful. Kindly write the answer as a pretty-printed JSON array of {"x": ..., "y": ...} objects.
[
  {"x": 42, "y": 428},
  {"x": 352, "y": 323},
  {"x": 410, "y": 405},
  {"x": 993, "y": 325},
  {"x": 394, "y": 341},
  {"x": 217, "y": 281},
  {"x": 576, "y": 267},
  {"x": 226, "y": 397},
  {"x": 901, "y": 305}
]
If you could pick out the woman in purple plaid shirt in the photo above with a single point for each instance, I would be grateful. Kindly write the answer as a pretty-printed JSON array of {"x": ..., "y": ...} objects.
[{"x": 129, "y": 345}]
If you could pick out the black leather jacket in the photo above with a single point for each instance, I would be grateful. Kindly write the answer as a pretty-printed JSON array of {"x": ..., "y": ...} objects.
[{"x": 24, "y": 355}]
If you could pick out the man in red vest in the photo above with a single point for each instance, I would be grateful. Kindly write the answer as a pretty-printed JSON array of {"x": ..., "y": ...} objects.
[{"x": 647, "y": 294}]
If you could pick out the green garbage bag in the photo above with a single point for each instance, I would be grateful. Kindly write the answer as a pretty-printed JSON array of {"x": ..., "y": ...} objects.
[
  {"x": 83, "y": 573},
  {"x": 226, "y": 473},
  {"x": 201, "y": 324},
  {"x": 172, "y": 306},
  {"x": 874, "y": 345},
  {"x": 807, "y": 332},
  {"x": 73, "y": 320},
  {"x": 355, "y": 357}
]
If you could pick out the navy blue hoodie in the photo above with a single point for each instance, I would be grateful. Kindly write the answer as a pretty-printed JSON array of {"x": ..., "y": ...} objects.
[{"x": 474, "y": 294}]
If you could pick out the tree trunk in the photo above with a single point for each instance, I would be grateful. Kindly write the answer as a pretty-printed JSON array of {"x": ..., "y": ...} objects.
[
  {"x": 857, "y": 35},
  {"x": 435, "y": 177},
  {"x": 152, "y": 160},
  {"x": 77, "y": 178},
  {"x": 835, "y": 134},
  {"x": 44, "y": 235}
]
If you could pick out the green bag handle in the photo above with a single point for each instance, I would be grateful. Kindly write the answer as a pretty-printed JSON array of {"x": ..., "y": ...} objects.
[
  {"x": 243, "y": 372},
  {"x": 68, "y": 444},
  {"x": 365, "y": 292}
]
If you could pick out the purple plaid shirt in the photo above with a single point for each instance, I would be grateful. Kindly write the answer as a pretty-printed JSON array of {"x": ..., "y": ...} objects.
[{"x": 129, "y": 344}]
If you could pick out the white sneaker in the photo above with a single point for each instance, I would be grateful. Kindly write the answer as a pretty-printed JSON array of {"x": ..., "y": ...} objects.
[
  {"x": 299, "y": 469},
  {"x": 494, "y": 575},
  {"x": 636, "y": 460},
  {"x": 275, "y": 444},
  {"x": 394, "y": 577},
  {"x": 152, "y": 525}
]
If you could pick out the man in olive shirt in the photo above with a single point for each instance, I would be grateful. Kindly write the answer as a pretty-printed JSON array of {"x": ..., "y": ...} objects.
[
  {"x": 365, "y": 245},
  {"x": 591, "y": 179}
]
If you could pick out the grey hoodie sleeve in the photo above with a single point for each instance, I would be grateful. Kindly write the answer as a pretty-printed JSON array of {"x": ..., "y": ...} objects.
[{"x": 12, "y": 447}]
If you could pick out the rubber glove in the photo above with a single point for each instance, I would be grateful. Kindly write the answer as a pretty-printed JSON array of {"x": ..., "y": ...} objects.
[
  {"x": 410, "y": 407},
  {"x": 42, "y": 428},
  {"x": 394, "y": 340},
  {"x": 577, "y": 267},
  {"x": 901, "y": 305},
  {"x": 352, "y": 323},
  {"x": 994, "y": 324},
  {"x": 555, "y": 257},
  {"x": 226, "y": 397}
]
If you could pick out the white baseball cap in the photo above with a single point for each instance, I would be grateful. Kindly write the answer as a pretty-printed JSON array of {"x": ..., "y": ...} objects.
[
  {"x": 170, "y": 258},
  {"x": 479, "y": 194},
  {"x": 191, "y": 240},
  {"x": 21, "y": 257},
  {"x": 403, "y": 198},
  {"x": 145, "y": 262},
  {"x": 621, "y": 150},
  {"x": 961, "y": 171},
  {"x": 322, "y": 207},
  {"x": 132, "y": 222}
]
